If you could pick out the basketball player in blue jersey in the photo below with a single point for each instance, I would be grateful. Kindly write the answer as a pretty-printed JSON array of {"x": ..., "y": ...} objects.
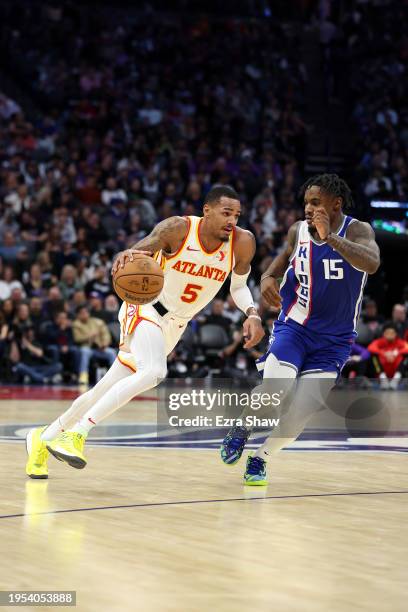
[{"x": 317, "y": 282}]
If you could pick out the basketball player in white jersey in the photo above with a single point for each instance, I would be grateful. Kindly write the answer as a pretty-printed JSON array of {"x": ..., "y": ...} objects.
[{"x": 197, "y": 254}]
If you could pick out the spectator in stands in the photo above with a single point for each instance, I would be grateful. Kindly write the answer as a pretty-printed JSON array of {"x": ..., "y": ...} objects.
[
  {"x": 53, "y": 304},
  {"x": 59, "y": 339},
  {"x": 95, "y": 231},
  {"x": 8, "y": 310},
  {"x": 95, "y": 304},
  {"x": 35, "y": 285},
  {"x": 389, "y": 359},
  {"x": 112, "y": 192},
  {"x": 93, "y": 338},
  {"x": 217, "y": 317},
  {"x": 399, "y": 319},
  {"x": 10, "y": 248},
  {"x": 69, "y": 282},
  {"x": 99, "y": 283},
  {"x": 89, "y": 193},
  {"x": 230, "y": 311},
  {"x": 6, "y": 279},
  {"x": 32, "y": 362},
  {"x": 22, "y": 318},
  {"x": 4, "y": 333},
  {"x": 36, "y": 314},
  {"x": 234, "y": 357},
  {"x": 371, "y": 318},
  {"x": 358, "y": 362},
  {"x": 111, "y": 309}
]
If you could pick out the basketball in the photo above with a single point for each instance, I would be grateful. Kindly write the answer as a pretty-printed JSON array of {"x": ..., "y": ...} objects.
[{"x": 139, "y": 281}]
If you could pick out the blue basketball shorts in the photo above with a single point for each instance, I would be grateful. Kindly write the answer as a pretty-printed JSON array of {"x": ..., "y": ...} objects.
[{"x": 306, "y": 351}]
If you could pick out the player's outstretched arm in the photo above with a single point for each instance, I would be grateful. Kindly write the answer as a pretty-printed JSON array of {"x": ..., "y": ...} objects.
[
  {"x": 168, "y": 236},
  {"x": 244, "y": 251},
  {"x": 275, "y": 271},
  {"x": 359, "y": 247}
]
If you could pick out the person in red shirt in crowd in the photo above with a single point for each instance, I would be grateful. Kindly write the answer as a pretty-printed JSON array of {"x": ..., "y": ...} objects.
[{"x": 389, "y": 357}]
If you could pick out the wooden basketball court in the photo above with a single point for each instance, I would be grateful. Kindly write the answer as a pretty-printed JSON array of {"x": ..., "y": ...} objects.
[{"x": 149, "y": 527}]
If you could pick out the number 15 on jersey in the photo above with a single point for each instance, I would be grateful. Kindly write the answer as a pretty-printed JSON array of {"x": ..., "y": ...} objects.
[{"x": 333, "y": 269}]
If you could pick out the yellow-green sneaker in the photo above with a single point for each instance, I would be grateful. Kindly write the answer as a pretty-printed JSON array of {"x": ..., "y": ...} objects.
[
  {"x": 255, "y": 473},
  {"x": 68, "y": 447},
  {"x": 37, "y": 462}
]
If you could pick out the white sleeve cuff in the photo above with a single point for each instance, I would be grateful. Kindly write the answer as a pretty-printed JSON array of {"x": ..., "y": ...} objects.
[{"x": 240, "y": 291}]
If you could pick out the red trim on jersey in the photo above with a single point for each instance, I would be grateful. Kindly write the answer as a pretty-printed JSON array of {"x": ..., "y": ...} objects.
[
  {"x": 311, "y": 283},
  {"x": 126, "y": 364},
  {"x": 296, "y": 288},
  {"x": 134, "y": 322},
  {"x": 123, "y": 326},
  {"x": 234, "y": 234},
  {"x": 172, "y": 255},
  {"x": 201, "y": 244}
]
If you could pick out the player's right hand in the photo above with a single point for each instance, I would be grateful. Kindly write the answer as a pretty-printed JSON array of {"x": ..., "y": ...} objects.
[
  {"x": 270, "y": 292},
  {"x": 120, "y": 259}
]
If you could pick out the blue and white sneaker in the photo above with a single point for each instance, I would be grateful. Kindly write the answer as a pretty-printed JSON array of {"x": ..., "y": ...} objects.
[
  {"x": 233, "y": 444},
  {"x": 255, "y": 473}
]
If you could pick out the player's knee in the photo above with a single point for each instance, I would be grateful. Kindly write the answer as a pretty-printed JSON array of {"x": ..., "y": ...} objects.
[
  {"x": 158, "y": 371},
  {"x": 275, "y": 369}
]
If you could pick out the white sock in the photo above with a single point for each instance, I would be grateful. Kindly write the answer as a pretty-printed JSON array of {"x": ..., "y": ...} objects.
[
  {"x": 148, "y": 350},
  {"x": 84, "y": 426},
  {"x": 67, "y": 420},
  {"x": 118, "y": 386}
]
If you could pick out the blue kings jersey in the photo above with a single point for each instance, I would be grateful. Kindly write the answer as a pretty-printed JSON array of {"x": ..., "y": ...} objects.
[{"x": 321, "y": 290}]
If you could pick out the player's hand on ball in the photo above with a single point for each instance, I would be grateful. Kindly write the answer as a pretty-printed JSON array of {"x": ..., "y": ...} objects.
[
  {"x": 322, "y": 223},
  {"x": 253, "y": 332},
  {"x": 270, "y": 292},
  {"x": 127, "y": 254}
]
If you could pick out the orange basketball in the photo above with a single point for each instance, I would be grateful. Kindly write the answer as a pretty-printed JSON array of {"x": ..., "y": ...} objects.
[{"x": 139, "y": 281}]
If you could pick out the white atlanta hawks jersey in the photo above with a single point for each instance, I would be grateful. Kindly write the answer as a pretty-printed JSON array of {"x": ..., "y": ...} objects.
[
  {"x": 192, "y": 275},
  {"x": 192, "y": 278}
]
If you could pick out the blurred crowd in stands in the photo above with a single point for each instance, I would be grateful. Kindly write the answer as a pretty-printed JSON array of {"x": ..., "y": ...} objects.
[
  {"x": 377, "y": 46},
  {"x": 136, "y": 123}
]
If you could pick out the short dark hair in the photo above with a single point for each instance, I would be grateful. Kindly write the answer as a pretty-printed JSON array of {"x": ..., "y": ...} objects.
[
  {"x": 219, "y": 191},
  {"x": 331, "y": 183},
  {"x": 81, "y": 307},
  {"x": 389, "y": 325}
]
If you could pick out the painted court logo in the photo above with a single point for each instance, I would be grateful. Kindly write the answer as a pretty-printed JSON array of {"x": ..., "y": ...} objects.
[{"x": 149, "y": 435}]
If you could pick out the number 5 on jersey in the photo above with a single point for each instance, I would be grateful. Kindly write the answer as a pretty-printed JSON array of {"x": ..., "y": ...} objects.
[{"x": 190, "y": 293}]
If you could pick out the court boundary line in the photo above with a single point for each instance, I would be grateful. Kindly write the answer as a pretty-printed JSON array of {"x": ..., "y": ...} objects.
[{"x": 201, "y": 501}]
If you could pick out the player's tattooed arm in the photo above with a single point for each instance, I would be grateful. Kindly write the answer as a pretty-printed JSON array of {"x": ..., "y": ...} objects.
[
  {"x": 359, "y": 248},
  {"x": 168, "y": 235},
  {"x": 270, "y": 278}
]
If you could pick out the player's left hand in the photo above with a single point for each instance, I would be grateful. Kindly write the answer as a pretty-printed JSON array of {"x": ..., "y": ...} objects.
[
  {"x": 253, "y": 332},
  {"x": 121, "y": 257},
  {"x": 322, "y": 223}
]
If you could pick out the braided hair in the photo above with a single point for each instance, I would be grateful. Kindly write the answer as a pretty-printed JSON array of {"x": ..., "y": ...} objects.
[{"x": 332, "y": 184}]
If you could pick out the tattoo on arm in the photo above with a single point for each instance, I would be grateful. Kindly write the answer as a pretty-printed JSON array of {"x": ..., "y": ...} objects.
[
  {"x": 166, "y": 236},
  {"x": 359, "y": 248}
]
